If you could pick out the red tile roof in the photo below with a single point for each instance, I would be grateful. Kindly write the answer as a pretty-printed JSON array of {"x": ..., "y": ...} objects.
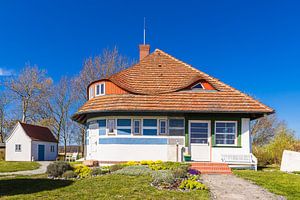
[
  {"x": 159, "y": 83},
  {"x": 38, "y": 133}
]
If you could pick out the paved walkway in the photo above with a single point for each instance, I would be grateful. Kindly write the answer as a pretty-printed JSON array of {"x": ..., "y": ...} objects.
[
  {"x": 41, "y": 170},
  {"x": 230, "y": 187}
]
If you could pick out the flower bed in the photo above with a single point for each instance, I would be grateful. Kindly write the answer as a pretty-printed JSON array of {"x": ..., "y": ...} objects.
[{"x": 165, "y": 175}]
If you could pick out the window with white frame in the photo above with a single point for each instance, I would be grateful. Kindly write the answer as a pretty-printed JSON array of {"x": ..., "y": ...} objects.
[
  {"x": 136, "y": 127},
  {"x": 18, "y": 148},
  {"x": 91, "y": 92},
  {"x": 100, "y": 89},
  {"x": 102, "y": 126},
  {"x": 124, "y": 126},
  {"x": 162, "y": 127},
  {"x": 176, "y": 127},
  {"x": 149, "y": 126},
  {"x": 111, "y": 126},
  {"x": 52, "y": 148},
  {"x": 225, "y": 132}
]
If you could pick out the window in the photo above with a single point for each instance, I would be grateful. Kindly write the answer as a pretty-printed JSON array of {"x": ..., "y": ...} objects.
[
  {"x": 136, "y": 127},
  {"x": 149, "y": 127},
  {"x": 124, "y": 126},
  {"x": 87, "y": 138},
  {"x": 100, "y": 89},
  {"x": 199, "y": 132},
  {"x": 18, "y": 148},
  {"x": 176, "y": 127},
  {"x": 162, "y": 127},
  {"x": 111, "y": 126},
  {"x": 52, "y": 148},
  {"x": 102, "y": 126},
  {"x": 198, "y": 86},
  {"x": 91, "y": 93},
  {"x": 226, "y": 133}
]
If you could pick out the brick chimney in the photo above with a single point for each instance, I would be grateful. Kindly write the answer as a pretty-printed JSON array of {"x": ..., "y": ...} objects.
[{"x": 144, "y": 50}]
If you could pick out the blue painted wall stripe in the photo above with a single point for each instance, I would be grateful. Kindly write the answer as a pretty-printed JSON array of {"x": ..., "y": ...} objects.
[{"x": 160, "y": 141}]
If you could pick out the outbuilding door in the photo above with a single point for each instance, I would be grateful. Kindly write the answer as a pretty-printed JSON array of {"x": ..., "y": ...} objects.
[
  {"x": 41, "y": 152},
  {"x": 199, "y": 132}
]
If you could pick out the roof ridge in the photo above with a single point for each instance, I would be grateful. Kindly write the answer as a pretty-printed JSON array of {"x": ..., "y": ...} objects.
[{"x": 210, "y": 77}]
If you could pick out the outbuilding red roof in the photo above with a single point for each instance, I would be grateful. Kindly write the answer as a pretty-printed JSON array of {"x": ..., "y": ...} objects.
[
  {"x": 38, "y": 133},
  {"x": 159, "y": 82}
]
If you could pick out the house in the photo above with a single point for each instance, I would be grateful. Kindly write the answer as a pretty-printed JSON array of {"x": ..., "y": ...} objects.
[
  {"x": 162, "y": 109},
  {"x": 30, "y": 142}
]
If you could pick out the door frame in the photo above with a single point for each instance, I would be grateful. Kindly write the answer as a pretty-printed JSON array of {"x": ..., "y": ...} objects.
[{"x": 209, "y": 138}]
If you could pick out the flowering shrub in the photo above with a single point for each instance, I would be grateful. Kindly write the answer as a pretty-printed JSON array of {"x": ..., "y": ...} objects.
[
  {"x": 83, "y": 171},
  {"x": 193, "y": 172},
  {"x": 190, "y": 184}
]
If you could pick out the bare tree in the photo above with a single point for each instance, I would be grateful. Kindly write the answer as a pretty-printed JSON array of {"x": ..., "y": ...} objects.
[
  {"x": 264, "y": 129},
  {"x": 30, "y": 89},
  {"x": 101, "y": 66},
  {"x": 3, "y": 105},
  {"x": 59, "y": 106}
]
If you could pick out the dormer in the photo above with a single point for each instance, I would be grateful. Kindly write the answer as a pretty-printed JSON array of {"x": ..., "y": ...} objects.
[{"x": 103, "y": 87}]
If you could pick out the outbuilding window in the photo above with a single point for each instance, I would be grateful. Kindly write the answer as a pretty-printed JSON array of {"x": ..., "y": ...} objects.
[
  {"x": 18, "y": 148},
  {"x": 52, "y": 148},
  {"x": 226, "y": 132}
]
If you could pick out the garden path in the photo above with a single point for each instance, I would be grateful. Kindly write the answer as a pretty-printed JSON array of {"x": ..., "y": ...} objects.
[
  {"x": 230, "y": 187},
  {"x": 41, "y": 170}
]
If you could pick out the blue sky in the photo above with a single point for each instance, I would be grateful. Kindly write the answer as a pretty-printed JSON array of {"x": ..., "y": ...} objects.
[{"x": 253, "y": 46}]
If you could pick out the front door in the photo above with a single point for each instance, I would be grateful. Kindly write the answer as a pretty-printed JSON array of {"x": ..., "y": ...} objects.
[
  {"x": 41, "y": 152},
  {"x": 199, "y": 132}
]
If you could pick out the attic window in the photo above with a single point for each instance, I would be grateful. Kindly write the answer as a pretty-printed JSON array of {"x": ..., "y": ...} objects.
[
  {"x": 198, "y": 86},
  {"x": 100, "y": 89}
]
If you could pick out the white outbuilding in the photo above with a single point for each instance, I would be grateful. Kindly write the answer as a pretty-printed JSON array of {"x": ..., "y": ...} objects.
[{"x": 30, "y": 142}]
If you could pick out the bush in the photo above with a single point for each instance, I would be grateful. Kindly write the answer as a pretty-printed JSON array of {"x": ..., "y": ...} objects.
[
  {"x": 69, "y": 174},
  {"x": 99, "y": 171},
  {"x": 57, "y": 169},
  {"x": 180, "y": 172},
  {"x": 132, "y": 163},
  {"x": 166, "y": 165},
  {"x": 136, "y": 170},
  {"x": 190, "y": 184},
  {"x": 83, "y": 171},
  {"x": 116, "y": 167},
  {"x": 163, "y": 176}
]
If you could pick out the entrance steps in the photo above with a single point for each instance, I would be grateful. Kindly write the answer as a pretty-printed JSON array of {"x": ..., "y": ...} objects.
[{"x": 211, "y": 167}]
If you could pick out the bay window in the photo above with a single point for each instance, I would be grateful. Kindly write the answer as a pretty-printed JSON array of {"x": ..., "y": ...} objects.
[
  {"x": 102, "y": 126},
  {"x": 124, "y": 126},
  {"x": 111, "y": 126},
  {"x": 136, "y": 126},
  {"x": 149, "y": 126},
  {"x": 162, "y": 127}
]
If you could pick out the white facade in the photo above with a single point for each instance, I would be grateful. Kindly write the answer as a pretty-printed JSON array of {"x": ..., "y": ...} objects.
[
  {"x": 165, "y": 148},
  {"x": 20, "y": 147}
]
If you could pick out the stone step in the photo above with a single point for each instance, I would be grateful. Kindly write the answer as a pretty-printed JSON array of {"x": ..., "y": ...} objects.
[{"x": 211, "y": 168}]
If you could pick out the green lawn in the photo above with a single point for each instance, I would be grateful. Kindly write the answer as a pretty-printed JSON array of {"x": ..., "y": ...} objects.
[
  {"x": 103, "y": 187},
  {"x": 11, "y": 166},
  {"x": 275, "y": 181}
]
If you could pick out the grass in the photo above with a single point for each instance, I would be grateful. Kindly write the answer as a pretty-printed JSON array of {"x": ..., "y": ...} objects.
[
  {"x": 12, "y": 166},
  {"x": 103, "y": 187},
  {"x": 275, "y": 181}
]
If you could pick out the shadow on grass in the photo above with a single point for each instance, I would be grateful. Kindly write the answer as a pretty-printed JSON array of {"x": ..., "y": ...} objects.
[{"x": 9, "y": 187}]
